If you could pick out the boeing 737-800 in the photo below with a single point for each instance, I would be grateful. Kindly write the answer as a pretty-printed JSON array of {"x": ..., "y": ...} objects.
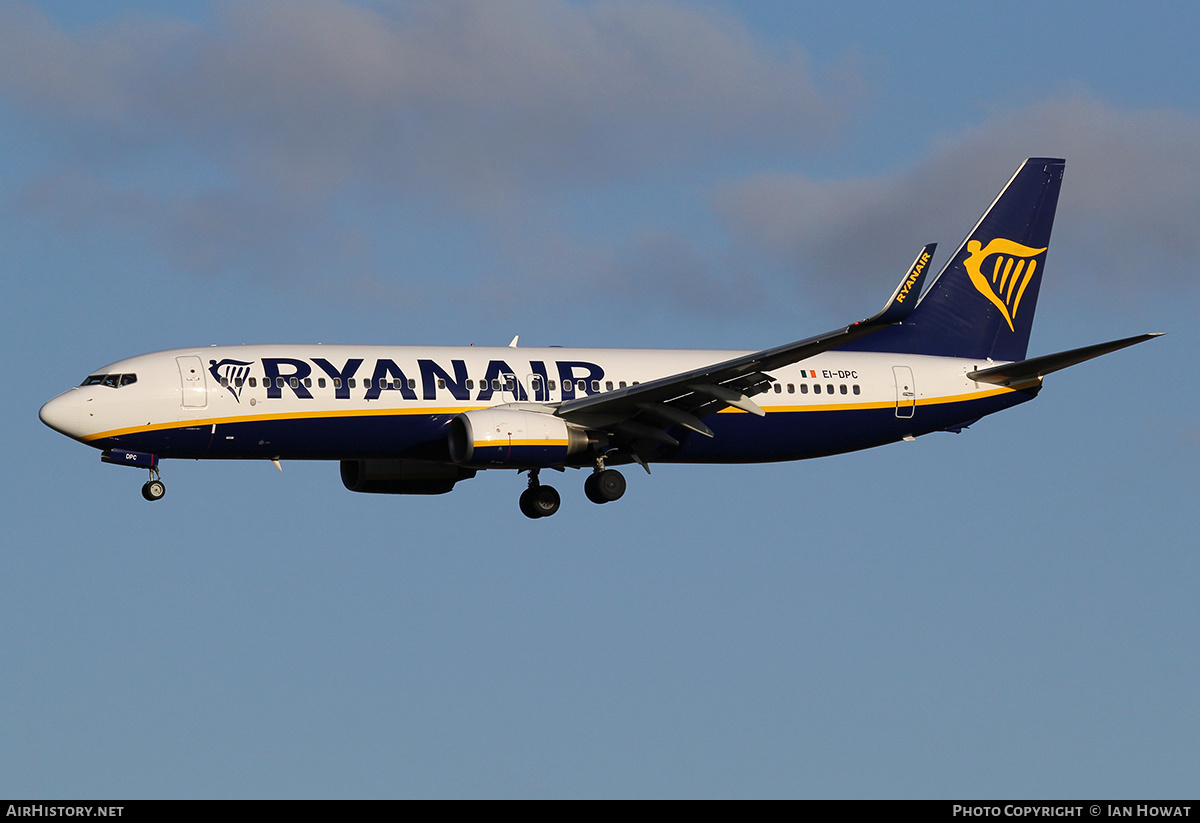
[{"x": 417, "y": 420}]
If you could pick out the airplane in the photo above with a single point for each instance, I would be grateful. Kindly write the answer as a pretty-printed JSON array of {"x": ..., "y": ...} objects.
[{"x": 418, "y": 420}]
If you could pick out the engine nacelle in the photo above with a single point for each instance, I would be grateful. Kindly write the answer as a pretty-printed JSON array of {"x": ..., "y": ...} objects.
[
  {"x": 401, "y": 476},
  {"x": 513, "y": 439}
]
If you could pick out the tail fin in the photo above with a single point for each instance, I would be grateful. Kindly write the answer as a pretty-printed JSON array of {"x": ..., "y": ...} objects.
[{"x": 981, "y": 304}]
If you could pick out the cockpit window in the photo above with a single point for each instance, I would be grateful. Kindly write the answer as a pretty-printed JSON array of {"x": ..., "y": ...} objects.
[{"x": 113, "y": 381}]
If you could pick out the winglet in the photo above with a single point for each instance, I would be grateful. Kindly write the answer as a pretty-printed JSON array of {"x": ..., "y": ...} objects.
[{"x": 904, "y": 298}]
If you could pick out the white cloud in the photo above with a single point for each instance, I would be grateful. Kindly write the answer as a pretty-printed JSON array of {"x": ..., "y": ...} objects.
[
  {"x": 264, "y": 143},
  {"x": 1129, "y": 215},
  {"x": 254, "y": 143},
  {"x": 469, "y": 95}
]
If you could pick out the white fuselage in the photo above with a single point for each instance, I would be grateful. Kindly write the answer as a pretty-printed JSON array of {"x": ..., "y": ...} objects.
[{"x": 339, "y": 402}]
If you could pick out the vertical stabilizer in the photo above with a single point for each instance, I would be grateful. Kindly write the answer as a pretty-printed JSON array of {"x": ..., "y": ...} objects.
[{"x": 981, "y": 304}]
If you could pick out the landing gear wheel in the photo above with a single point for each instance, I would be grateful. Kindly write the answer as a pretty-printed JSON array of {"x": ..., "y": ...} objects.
[
  {"x": 604, "y": 486},
  {"x": 539, "y": 501},
  {"x": 154, "y": 490}
]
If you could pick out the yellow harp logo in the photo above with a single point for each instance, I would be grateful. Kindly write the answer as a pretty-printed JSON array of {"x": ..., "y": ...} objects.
[{"x": 1000, "y": 271}]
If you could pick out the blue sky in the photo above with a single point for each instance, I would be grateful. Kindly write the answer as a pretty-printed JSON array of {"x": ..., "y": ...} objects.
[{"x": 1009, "y": 611}]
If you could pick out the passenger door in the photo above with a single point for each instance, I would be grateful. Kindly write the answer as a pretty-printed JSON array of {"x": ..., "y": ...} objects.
[{"x": 191, "y": 376}]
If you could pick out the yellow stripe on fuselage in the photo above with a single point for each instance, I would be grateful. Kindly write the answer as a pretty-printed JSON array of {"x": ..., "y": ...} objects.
[
  {"x": 386, "y": 412},
  {"x": 200, "y": 422},
  {"x": 885, "y": 404}
]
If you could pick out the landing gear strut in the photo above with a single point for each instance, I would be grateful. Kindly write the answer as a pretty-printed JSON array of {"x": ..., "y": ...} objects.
[
  {"x": 538, "y": 500},
  {"x": 604, "y": 485},
  {"x": 154, "y": 488}
]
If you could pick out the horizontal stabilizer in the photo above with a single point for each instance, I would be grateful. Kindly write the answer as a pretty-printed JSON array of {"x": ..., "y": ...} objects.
[{"x": 1034, "y": 368}]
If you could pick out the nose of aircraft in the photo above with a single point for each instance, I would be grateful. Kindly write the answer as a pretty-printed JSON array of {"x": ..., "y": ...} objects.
[{"x": 64, "y": 413}]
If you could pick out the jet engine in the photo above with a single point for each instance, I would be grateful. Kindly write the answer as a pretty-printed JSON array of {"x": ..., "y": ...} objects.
[
  {"x": 401, "y": 476},
  {"x": 509, "y": 438}
]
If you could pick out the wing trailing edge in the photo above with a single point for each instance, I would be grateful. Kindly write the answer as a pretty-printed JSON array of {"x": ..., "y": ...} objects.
[{"x": 702, "y": 391}]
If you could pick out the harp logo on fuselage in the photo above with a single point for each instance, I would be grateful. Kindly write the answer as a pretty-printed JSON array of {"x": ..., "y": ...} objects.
[
  {"x": 1001, "y": 271},
  {"x": 231, "y": 374}
]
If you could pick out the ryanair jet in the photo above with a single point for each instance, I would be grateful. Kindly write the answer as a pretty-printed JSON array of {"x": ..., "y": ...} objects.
[{"x": 417, "y": 420}]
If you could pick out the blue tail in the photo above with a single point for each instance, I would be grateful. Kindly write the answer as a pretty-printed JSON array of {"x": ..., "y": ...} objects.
[{"x": 981, "y": 304}]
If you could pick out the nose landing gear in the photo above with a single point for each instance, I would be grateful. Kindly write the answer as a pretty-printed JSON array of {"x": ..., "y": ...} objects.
[{"x": 154, "y": 488}]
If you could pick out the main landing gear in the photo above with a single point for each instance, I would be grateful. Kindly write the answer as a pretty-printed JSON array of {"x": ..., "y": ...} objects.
[
  {"x": 538, "y": 500},
  {"x": 154, "y": 488},
  {"x": 602, "y": 486}
]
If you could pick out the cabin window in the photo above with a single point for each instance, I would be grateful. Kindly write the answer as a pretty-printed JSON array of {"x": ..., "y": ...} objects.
[
  {"x": 441, "y": 383},
  {"x": 337, "y": 382},
  {"x": 621, "y": 384},
  {"x": 470, "y": 384},
  {"x": 412, "y": 384},
  {"x": 495, "y": 384},
  {"x": 294, "y": 383},
  {"x": 816, "y": 388},
  {"x": 224, "y": 382},
  {"x": 552, "y": 385},
  {"x": 351, "y": 383},
  {"x": 320, "y": 382},
  {"x": 829, "y": 388},
  {"x": 608, "y": 385},
  {"x": 237, "y": 381},
  {"x": 581, "y": 385},
  {"x": 308, "y": 382},
  {"x": 279, "y": 382},
  {"x": 843, "y": 388},
  {"x": 595, "y": 385},
  {"x": 254, "y": 382},
  {"x": 804, "y": 388},
  {"x": 778, "y": 388},
  {"x": 856, "y": 391},
  {"x": 791, "y": 388}
]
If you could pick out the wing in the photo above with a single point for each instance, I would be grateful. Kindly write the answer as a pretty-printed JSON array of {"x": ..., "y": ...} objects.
[{"x": 638, "y": 416}]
